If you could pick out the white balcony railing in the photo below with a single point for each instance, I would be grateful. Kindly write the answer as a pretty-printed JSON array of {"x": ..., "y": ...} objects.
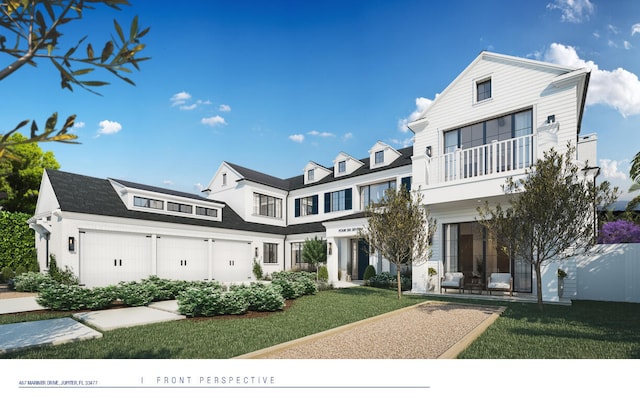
[{"x": 495, "y": 158}]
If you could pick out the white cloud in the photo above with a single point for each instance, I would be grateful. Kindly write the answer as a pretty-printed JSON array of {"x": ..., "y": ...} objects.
[
  {"x": 635, "y": 29},
  {"x": 348, "y": 135},
  {"x": 402, "y": 143},
  {"x": 573, "y": 11},
  {"x": 109, "y": 127},
  {"x": 609, "y": 169},
  {"x": 180, "y": 98},
  {"x": 321, "y": 134},
  {"x": 613, "y": 29},
  {"x": 421, "y": 105},
  {"x": 224, "y": 108},
  {"x": 198, "y": 187},
  {"x": 78, "y": 124},
  {"x": 188, "y": 107},
  {"x": 167, "y": 182},
  {"x": 627, "y": 45},
  {"x": 296, "y": 137},
  {"x": 213, "y": 121},
  {"x": 619, "y": 88}
]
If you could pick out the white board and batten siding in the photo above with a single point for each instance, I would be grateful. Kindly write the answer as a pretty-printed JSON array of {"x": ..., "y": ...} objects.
[
  {"x": 108, "y": 257},
  {"x": 182, "y": 258}
]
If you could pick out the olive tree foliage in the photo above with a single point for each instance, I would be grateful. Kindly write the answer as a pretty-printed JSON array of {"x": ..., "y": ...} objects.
[
  {"x": 30, "y": 31},
  {"x": 551, "y": 212},
  {"x": 314, "y": 251},
  {"x": 400, "y": 228}
]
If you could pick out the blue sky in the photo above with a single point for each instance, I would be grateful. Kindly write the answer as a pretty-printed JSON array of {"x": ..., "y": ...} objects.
[{"x": 271, "y": 85}]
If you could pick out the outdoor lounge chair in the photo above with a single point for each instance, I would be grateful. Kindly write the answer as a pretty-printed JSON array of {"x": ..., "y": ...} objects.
[
  {"x": 452, "y": 280},
  {"x": 502, "y": 282}
]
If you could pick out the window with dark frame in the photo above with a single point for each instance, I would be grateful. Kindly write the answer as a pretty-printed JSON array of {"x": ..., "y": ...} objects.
[
  {"x": 148, "y": 203},
  {"x": 342, "y": 166},
  {"x": 379, "y": 157},
  {"x": 180, "y": 208},
  {"x": 203, "y": 211},
  {"x": 483, "y": 90},
  {"x": 270, "y": 253}
]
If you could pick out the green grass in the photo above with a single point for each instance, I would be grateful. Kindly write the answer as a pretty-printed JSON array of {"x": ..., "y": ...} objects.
[
  {"x": 219, "y": 338},
  {"x": 594, "y": 330},
  {"x": 587, "y": 329}
]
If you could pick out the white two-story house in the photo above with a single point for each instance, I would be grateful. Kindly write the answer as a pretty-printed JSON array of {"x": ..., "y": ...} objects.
[{"x": 492, "y": 122}]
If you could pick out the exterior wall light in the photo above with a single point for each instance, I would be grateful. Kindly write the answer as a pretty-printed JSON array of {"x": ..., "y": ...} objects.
[
  {"x": 72, "y": 244},
  {"x": 329, "y": 248}
]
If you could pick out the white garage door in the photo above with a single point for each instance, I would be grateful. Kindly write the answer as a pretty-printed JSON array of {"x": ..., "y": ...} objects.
[
  {"x": 232, "y": 261},
  {"x": 107, "y": 258},
  {"x": 183, "y": 258}
]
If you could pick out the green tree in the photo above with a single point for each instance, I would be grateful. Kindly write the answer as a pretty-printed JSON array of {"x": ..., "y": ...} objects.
[
  {"x": 314, "y": 252},
  {"x": 17, "y": 242},
  {"x": 551, "y": 213},
  {"x": 32, "y": 29},
  {"x": 20, "y": 176},
  {"x": 400, "y": 228}
]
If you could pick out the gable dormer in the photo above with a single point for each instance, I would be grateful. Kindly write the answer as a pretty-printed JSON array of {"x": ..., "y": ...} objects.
[
  {"x": 381, "y": 155},
  {"x": 345, "y": 164},
  {"x": 314, "y": 172}
]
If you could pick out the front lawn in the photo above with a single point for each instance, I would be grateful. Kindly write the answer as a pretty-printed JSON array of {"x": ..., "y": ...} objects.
[{"x": 226, "y": 337}]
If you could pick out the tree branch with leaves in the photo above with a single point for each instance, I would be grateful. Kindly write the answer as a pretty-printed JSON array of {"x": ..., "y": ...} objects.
[
  {"x": 34, "y": 30},
  {"x": 551, "y": 212}
]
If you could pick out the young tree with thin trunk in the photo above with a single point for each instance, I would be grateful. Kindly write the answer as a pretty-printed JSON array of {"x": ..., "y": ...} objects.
[
  {"x": 551, "y": 213},
  {"x": 314, "y": 252},
  {"x": 30, "y": 32},
  {"x": 400, "y": 228}
]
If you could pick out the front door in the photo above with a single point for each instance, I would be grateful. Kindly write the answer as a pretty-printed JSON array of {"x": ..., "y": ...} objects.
[{"x": 359, "y": 258}]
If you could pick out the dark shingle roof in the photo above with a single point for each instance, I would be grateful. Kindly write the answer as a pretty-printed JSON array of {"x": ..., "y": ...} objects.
[
  {"x": 82, "y": 194},
  {"x": 162, "y": 190},
  {"x": 297, "y": 182}
]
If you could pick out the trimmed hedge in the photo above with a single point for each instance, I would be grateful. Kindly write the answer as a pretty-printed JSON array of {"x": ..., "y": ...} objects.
[
  {"x": 17, "y": 242},
  {"x": 386, "y": 280}
]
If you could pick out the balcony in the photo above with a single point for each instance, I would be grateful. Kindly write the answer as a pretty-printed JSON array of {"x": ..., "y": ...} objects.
[{"x": 497, "y": 159}]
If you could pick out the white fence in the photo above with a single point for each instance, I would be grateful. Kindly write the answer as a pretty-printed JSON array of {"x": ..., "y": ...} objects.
[{"x": 609, "y": 272}]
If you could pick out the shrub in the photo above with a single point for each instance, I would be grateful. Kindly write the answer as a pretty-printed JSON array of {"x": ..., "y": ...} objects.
[
  {"x": 211, "y": 301},
  {"x": 369, "y": 272},
  {"x": 165, "y": 289},
  {"x": 257, "y": 269},
  {"x": 287, "y": 288},
  {"x": 73, "y": 297},
  {"x": 6, "y": 274},
  {"x": 323, "y": 274},
  {"x": 137, "y": 293},
  {"x": 387, "y": 280},
  {"x": 619, "y": 231},
  {"x": 32, "y": 282},
  {"x": 261, "y": 297},
  {"x": 65, "y": 276}
]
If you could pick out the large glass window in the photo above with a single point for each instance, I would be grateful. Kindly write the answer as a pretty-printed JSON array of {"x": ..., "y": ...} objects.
[
  {"x": 374, "y": 193},
  {"x": 264, "y": 205},
  {"x": 469, "y": 248},
  {"x": 203, "y": 211}
]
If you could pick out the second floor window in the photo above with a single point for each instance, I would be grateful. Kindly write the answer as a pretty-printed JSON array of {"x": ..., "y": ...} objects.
[
  {"x": 342, "y": 167},
  {"x": 374, "y": 193},
  {"x": 268, "y": 206},
  {"x": 338, "y": 200},
  {"x": 306, "y": 206},
  {"x": 379, "y": 157},
  {"x": 181, "y": 208}
]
